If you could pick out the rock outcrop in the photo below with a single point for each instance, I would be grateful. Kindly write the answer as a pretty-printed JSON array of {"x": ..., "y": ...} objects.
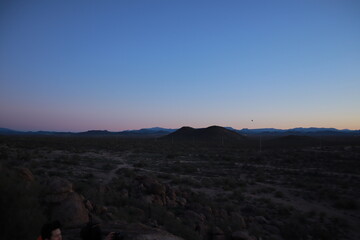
[
  {"x": 64, "y": 204},
  {"x": 26, "y": 174}
]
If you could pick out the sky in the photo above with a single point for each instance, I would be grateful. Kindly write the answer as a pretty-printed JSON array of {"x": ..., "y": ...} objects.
[{"x": 71, "y": 65}]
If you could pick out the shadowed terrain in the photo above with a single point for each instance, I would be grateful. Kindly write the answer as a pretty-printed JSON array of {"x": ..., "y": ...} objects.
[{"x": 222, "y": 185}]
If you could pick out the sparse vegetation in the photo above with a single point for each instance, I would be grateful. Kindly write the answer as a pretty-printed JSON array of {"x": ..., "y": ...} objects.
[{"x": 193, "y": 190}]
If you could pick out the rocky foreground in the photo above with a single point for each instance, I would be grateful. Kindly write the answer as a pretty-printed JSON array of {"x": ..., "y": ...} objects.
[
  {"x": 145, "y": 192},
  {"x": 73, "y": 211},
  {"x": 61, "y": 202}
]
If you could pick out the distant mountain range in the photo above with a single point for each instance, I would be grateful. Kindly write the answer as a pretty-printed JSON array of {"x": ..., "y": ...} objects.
[
  {"x": 298, "y": 131},
  {"x": 144, "y": 132},
  {"x": 199, "y": 132}
]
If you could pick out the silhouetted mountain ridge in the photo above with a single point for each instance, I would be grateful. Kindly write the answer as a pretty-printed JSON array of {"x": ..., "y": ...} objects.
[
  {"x": 159, "y": 132},
  {"x": 96, "y": 132},
  {"x": 212, "y": 133}
]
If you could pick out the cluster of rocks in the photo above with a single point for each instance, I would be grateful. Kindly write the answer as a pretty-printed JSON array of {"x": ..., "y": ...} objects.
[
  {"x": 73, "y": 210},
  {"x": 152, "y": 191},
  {"x": 198, "y": 217},
  {"x": 64, "y": 204}
]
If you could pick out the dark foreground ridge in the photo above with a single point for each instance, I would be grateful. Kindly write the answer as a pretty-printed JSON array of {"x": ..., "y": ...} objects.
[{"x": 153, "y": 189}]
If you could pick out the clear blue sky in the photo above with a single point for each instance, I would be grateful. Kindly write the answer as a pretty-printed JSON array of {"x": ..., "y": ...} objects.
[{"x": 76, "y": 65}]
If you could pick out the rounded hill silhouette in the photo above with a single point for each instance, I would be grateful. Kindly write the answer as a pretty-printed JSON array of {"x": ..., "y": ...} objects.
[{"x": 209, "y": 134}]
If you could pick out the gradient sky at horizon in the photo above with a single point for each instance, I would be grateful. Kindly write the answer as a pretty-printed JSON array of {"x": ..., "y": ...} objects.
[{"x": 117, "y": 65}]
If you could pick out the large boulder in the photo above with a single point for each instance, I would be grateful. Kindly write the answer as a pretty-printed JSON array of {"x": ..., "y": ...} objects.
[
  {"x": 71, "y": 212},
  {"x": 57, "y": 190},
  {"x": 26, "y": 174},
  {"x": 64, "y": 204},
  {"x": 151, "y": 185},
  {"x": 58, "y": 185}
]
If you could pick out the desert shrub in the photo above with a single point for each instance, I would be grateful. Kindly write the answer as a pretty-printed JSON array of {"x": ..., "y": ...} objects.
[
  {"x": 4, "y": 153},
  {"x": 187, "y": 181},
  {"x": 266, "y": 190},
  {"x": 182, "y": 168},
  {"x": 120, "y": 183},
  {"x": 188, "y": 168},
  {"x": 21, "y": 214},
  {"x": 129, "y": 214},
  {"x": 231, "y": 207},
  {"x": 312, "y": 213},
  {"x": 47, "y": 164},
  {"x": 340, "y": 222},
  {"x": 229, "y": 183},
  {"x": 34, "y": 164},
  {"x": 141, "y": 164},
  {"x": 227, "y": 158},
  {"x": 267, "y": 202},
  {"x": 23, "y": 155},
  {"x": 279, "y": 194},
  {"x": 89, "y": 176},
  {"x": 75, "y": 158},
  {"x": 171, "y": 156},
  {"x": 115, "y": 198},
  {"x": 219, "y": 198},
  {"x": 284, "y": 211},
  {"x": 238, "y": 195},
  {"x": 347, "y": 204},
  {"x": 38, "y": 172},
  {"x": 327, "y": 193},
  {"x": 127, "y": 172},
  {"x": 207, "y": 182},
  {"x": 260, "y": 176},
  {"x": 67, "y": 160},
  {"x": 132, "y": 214},
  {"x": 202, "y": 156},
  {"x": 106, "y": 167},
  {"x": 317, "y": 231},
  {"x": 293, "y": 229},
  {"x": 322, "y": 216},
  {"x": 56, "y": 173},
  {"x": 164, "y": 176}
]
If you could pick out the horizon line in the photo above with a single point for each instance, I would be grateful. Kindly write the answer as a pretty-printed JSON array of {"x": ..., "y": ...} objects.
[{"x": 264, "y": 128}]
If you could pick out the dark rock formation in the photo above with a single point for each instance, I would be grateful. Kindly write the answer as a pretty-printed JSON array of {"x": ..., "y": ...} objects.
[{"x": 64, "y": 204}]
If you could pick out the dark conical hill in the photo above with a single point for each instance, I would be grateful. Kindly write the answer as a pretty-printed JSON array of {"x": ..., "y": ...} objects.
[{"x": 209, "y": 134}]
